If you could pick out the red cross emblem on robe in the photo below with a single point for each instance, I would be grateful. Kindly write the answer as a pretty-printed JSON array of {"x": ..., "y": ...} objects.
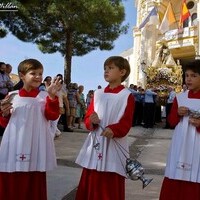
[
  {"x": 22, "y": 157},
  {"x": 100, "y": 156}
]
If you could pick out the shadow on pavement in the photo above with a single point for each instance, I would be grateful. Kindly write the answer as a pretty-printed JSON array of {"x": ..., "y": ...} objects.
[{"x": 71, "y": 195}]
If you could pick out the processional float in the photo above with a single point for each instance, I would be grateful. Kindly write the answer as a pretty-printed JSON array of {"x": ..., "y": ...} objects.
[{"x": 164, "y": 72}]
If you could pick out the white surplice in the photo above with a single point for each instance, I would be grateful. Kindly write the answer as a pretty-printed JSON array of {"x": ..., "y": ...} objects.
[
  {"x": 102, "y": 153},
  {"x": 27, "y": 144}
]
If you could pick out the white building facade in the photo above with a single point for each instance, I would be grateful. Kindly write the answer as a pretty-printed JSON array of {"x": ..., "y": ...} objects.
[{"x": 184, "y": 44}]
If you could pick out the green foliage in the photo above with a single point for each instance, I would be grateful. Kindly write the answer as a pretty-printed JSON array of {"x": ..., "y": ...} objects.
[{"x": 3, "y": 33}]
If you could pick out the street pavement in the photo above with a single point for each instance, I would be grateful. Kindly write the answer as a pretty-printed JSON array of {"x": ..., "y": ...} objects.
[{"x": 149, "y": 146}]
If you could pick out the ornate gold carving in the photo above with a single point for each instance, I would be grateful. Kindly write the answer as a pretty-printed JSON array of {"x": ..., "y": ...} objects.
[{"x": 164, "y": 72}]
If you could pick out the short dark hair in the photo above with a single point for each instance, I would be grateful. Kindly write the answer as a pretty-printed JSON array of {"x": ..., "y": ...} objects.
[
  {"x": 193, "y": 66},
  {"x": 29, "y": 64},
  {"x": 120, "y": 62},
  {"x": 2, "y": 63},
  {"x": 47, "y": 77},
  {"x": 59, "y": 75}
]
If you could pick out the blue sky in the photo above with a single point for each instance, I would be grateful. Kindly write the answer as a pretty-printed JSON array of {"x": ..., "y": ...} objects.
[{"x": 86, "y": 70}]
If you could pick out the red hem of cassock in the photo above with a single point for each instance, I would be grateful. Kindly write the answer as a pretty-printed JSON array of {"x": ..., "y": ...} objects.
[
  {"x": 95, "y": 185},
  {"x": 179, "y": 190},
  {"x": 23, "y": 186}
]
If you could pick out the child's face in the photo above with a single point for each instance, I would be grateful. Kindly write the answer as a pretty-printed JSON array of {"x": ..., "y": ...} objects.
[
  {"x": 192, "y": 80},
  {"x": 48, "y": 81},
  {"x": 32, "y": 79},
  {"x": 113, "y": 74}
]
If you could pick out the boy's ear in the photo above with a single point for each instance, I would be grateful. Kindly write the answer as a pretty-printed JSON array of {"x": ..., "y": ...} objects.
[
  {"x": 123, "y": 72},
  {"x": 21, "y": 75}
]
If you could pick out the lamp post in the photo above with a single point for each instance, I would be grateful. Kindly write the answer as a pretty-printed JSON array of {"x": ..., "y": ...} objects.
[{"x": 143, "y": 66}]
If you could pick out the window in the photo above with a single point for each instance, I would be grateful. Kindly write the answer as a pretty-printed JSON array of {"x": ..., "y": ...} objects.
[
  {"x": 190, "y": 4},
  {"x": 194, "y": 19}
]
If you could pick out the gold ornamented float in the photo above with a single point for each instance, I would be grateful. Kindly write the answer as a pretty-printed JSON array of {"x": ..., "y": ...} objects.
[{"x": 164, "y": 72}]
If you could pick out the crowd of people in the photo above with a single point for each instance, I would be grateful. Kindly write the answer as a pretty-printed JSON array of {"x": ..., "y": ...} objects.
[
  {"x": 31, "y": 118},
  {"x": 148, "y": 108},
  {"x": 72, "y": 105}
]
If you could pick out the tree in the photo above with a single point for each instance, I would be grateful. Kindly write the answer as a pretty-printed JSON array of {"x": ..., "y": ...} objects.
[
  {"x": 71, "y": 27},
  {"x": 2, "y": 33}
]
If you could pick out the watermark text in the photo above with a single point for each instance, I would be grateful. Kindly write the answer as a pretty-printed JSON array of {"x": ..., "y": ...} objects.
[{"x": 8, "y": 7}]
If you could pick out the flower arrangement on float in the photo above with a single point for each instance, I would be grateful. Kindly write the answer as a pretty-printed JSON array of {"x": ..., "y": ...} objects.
[{"x": 162, "y": 73}]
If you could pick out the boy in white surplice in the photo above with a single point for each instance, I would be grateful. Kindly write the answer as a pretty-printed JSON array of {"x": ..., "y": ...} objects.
[
  {"x": 109, "y": 117},
  {"x": 27, "y": 147}
]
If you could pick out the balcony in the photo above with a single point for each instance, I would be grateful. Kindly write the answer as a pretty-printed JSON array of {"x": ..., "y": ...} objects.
[
  {"x": 176, "y": 34},
  {"x": 182, "y": 42}
]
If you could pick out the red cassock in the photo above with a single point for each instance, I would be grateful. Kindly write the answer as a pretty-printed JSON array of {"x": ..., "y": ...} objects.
[
  {"x": 178, "y": 189},
  {"x": 27, "y": 185},
  {"x": 96, "y": 185}
]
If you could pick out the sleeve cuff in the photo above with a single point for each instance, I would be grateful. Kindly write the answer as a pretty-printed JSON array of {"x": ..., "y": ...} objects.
[{"x": 52, "y": 101}]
